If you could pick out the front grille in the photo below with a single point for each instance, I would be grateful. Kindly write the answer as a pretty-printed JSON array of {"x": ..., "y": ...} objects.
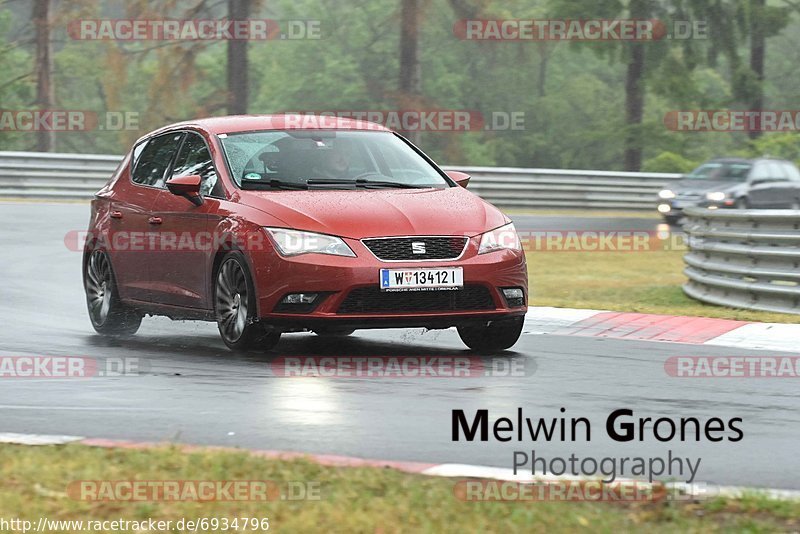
[
  {"x": 373, "y": 300},
  {"x": 403, "y": 248}
]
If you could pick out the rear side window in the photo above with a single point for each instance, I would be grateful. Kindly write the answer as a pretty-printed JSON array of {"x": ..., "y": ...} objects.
[
  {"x": 791, "y": 172},
  {"x": 194, "y": 158},
  {"x": 776, "y": 171},
  {"x": 155, "y": 158}
]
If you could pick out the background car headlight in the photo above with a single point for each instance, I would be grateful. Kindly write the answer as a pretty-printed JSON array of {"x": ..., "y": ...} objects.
[
  {"x": 666, "y": 194},
  {"x": 295, "y": 242},
  {"x": 501, "y": 238},
  {"x": 716, "y": 196}
]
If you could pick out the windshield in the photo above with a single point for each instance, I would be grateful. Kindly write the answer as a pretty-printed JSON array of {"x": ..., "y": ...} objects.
[
  {"x": 733, "y": 171},
  {"x": 325, "y": 158}
]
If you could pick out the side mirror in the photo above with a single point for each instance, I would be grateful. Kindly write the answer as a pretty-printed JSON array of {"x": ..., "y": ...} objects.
[
  {"x": 187, "y": 187},
  {"x": 461, "y": 178}
]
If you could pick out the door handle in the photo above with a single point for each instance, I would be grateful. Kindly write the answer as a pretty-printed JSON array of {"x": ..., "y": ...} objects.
[
  {"x": 154, "y": 220},
  {"x": 116, "y": 215}
]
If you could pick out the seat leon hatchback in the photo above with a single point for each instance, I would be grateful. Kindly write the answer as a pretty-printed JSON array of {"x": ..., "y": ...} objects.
[{"x": 291, "y": 223}]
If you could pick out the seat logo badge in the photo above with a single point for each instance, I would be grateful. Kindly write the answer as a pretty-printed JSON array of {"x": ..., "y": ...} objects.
[{"x": 418, "y": 247}]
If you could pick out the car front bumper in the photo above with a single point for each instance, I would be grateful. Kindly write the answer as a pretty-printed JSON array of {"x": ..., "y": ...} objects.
[
  {"x": 337, "y": 278},
  {"x": 676, "y": 207}
]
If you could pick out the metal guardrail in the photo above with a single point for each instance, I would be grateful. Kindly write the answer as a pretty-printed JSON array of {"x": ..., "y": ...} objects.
[
  {"x": 45, "y": 175},
  {"x": 552, "y": 188},
  {"x": 48, "y": 175},
  {"x": 744, "y": 258}
]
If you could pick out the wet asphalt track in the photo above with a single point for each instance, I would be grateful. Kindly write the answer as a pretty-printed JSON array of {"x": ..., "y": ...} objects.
[{"x": 195, "y": 391}]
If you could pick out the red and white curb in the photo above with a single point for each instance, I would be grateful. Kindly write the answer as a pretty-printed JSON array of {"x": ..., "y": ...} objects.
[
  {"x": 696, "y": 490},
  {"x": 665, "y": 328}
]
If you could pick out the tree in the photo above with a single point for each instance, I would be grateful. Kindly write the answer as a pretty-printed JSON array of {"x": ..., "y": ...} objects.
[
  {"x": 45, "y": 95},
  {"x": 732, "y": 23},
  {"x": 410, "y": 82},
  {"x": 237, "y": 61},
  {"x": 635, "y": 90}
]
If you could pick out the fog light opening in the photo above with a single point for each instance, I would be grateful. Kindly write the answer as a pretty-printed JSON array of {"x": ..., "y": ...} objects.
[
  {"x": 514, "y": 296},
  {"x": 300, "y": 298}
]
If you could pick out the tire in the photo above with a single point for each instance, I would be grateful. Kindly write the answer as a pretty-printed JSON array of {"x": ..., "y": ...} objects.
[
  {"x": 796, "y": 205},
  {"x": 741, "y": 203},
  {"x": 108, "y": 314},
  {"x": 334, "y": 332},
  {"x": 493, "y": 336},
  {"x": 235, "y": 307},
  {"x": 672, "y": 220}
]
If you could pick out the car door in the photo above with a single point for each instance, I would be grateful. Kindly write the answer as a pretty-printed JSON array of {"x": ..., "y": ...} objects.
[
  {"x": 130, "y": 216},
  {"x": 179, "y": 270},
  {"x": 792, "y": 196},
  {"x": 775, "y": 189},
  {"x": 760, "y": 180},
  {"x": 786, "y": 194}
]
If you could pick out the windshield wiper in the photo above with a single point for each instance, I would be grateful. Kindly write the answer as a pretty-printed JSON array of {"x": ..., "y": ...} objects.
[
  {"x": 360, "y": 182},
  {"x": 273, "y": 184}
]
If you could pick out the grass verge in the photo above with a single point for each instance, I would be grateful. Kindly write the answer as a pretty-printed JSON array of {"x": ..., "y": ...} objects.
[
  {"x": 645, "y": 282},
  {"x": 33, "y": 482}
]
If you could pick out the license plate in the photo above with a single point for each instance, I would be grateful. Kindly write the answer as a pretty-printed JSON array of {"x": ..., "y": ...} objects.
[{"x": 422, "y": 279}]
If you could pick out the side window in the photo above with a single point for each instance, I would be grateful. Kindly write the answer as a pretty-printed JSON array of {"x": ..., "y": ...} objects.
[
  {"x": 155, "y": 158},
  {"x": 194, "y": 158},
  {"x": 760, "y": 171},
  {"x": 791, "y": 172},
  {"x": 776, "y": 171},
  {"x": 137, "y": 151}
]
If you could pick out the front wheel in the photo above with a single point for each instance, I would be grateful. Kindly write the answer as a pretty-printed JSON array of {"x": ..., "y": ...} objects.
[
  {"x": 742, "y": 203},
  {"x": 492, "y": 336},
  {"x": 235, "y": 307},
  {"x": 109, "y": 315}
]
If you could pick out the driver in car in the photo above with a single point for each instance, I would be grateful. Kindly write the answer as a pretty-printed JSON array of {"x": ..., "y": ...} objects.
[{"x": 333, "y": 163}]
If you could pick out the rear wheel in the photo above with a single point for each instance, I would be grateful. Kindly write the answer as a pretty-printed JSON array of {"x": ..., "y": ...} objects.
[
  {"x": 492, "y": 336},
  {"x": 235, "y": 307},
  {"x": 109, "y": 315}
]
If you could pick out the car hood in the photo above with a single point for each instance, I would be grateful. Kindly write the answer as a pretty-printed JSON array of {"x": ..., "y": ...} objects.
[
  {"x": 703, "y": 186},
  {"x": 364, "y": 213}
]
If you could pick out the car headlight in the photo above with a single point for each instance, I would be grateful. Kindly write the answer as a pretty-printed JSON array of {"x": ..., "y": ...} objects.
[
  {"x": 501, "y": 238},
  {"x": 296, "y": 242},
  {"x": 666, "y": 194},
  {"x": 716, "y": 196}
]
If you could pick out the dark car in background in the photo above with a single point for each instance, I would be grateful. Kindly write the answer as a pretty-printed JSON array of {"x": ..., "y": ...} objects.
[{"x": 733, "y": 183}]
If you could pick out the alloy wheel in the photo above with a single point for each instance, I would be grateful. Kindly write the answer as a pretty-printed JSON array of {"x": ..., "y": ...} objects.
[
  {"x": 98, "y": 286},
  {"x": 232, "y": 300}
]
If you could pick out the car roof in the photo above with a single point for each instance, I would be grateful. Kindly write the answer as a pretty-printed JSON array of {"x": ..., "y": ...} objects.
[
  {"x": 285, "y": 121},
  {"x": 745, "y": 160}
]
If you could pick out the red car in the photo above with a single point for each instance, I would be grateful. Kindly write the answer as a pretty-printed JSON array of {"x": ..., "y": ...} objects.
[{"x": 287, "y": 223}]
